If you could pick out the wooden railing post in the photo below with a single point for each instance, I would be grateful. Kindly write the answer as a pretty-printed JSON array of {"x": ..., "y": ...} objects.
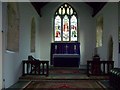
[
  {"x": 23, "y": 69},
  {"x": 27, "y": 67},
  {"x": 103, "y": 67},
  {"x": 88, "y": 68},
  {"x": 47, "y": 72}
]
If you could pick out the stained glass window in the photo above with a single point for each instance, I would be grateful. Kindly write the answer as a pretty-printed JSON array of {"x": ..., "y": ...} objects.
[
  {"x": 65, "y": 24},
  {"x": 57, "y": 28},
  {"x": 65, "y": 28},
  {"x": 73, "y": 28},
  {"x": 99, "y": 31},
  {"x": 13, "y": 27}
]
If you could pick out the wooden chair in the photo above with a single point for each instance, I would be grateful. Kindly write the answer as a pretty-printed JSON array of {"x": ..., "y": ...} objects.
[{"x": 35, "y": 65}]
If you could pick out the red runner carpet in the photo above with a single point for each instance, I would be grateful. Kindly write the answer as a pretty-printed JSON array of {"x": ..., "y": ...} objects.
[{"x": 64, "y": 85}]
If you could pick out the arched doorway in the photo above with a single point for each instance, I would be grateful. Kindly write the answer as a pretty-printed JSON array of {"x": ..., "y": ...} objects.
[{"x": 110, "y": 49}]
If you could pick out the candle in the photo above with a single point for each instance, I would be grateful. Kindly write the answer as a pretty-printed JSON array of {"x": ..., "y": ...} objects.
[
  {"x": 75, "y": 47},
  {"x": 66, "y": 48},
  {"x": 55, "y": 47}
]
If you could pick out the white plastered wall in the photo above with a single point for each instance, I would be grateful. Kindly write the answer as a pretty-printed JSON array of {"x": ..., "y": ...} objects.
[{"x": 110, "y": 28}]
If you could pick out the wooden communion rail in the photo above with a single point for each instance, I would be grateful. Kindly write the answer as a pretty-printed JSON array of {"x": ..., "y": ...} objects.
[
  {"x": 35, "y": 67},
  {"x": 99, "y": 67}
]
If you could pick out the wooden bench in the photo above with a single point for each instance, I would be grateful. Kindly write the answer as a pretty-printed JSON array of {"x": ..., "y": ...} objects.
[{"x": 115, "y": 78}]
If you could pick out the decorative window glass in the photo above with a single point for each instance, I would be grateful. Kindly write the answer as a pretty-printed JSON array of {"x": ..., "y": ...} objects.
[
  {"x": 73, "y": 28},
  {"x": 57, "y": 28},
  {"x": 65, "y": 24},
  {"x": 65, "y": 28},
  {"x": 13, "y": 27},
  {"x": 99, "y": 31}
]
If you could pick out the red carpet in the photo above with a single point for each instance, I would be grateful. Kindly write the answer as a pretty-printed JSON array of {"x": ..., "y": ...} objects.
[
  {"x": 66, "y": 71},
  {"x": 64, "y": 85}
]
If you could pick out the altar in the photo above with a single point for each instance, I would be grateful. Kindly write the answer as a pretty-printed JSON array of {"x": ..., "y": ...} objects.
[{"x": 65, "y": 54}]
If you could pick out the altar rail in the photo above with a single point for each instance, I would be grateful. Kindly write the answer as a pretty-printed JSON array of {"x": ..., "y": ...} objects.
[
  {"x": 35, "y": 67},
  {"x": 99, "y": 67}
]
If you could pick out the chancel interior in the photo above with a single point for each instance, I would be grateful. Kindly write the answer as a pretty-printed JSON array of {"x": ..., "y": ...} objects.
[{"x": 38, "y": 39}]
